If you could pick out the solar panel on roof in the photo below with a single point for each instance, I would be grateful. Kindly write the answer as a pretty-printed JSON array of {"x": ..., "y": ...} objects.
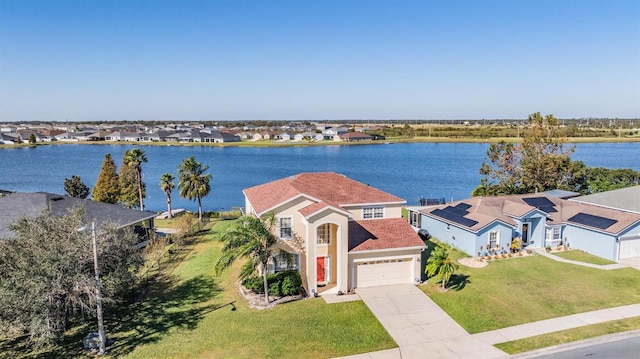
[
  {"x": 454, "y": 217},
  {"x": 593, "y": 221},
  {"x": 454, "y": 210},
  {"x": 548, "y": 209},
  {"x": 463, "y": 206},
  {"x": 541, "y": 203}
]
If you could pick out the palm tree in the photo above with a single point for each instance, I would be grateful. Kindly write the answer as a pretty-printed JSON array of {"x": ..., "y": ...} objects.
[
  {"x": 253, "y": 238},
  {"x": 441, "y": 264},
  {"x": 135, "y": 158},
  {"x": 167, "y": 185},
  {"x": 194, "y": 183}
]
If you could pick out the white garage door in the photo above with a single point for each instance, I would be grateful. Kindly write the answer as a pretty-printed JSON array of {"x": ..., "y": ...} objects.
[
  {"x": 384, "y": 272},
  {"x": 629, "y": 248}
]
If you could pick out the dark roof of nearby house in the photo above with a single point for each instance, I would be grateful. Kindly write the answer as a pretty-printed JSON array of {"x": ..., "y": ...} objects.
[
  {"x": 378, "y": 234},
  {"x": 332, "y": 188},
  {"x": 476, "y": 213},
  {"x": 17, "y": 205}
]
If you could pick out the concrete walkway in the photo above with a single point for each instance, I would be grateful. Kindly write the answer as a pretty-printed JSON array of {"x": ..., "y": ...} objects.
[
  {"x": 420, "y": 327},
  {"x": 543, "y": 252}
]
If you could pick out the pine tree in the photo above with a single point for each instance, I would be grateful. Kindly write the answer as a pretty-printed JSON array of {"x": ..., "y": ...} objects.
[
  {"x": 107, "y": 188},
  {"x": 75, "y": 187}
]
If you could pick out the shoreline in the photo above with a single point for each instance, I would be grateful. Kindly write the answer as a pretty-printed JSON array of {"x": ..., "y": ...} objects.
[{"x": 266, "y": 143}]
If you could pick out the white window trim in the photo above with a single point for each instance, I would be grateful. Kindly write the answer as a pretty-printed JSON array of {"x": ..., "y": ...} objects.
[
  {"x": 497, "y": 245},
  {"x": 549, "y": 234},
  {"x": 329, "y": 232},
  {"x": 280, "y": 228},
  {"x": 373, "y": 212}
]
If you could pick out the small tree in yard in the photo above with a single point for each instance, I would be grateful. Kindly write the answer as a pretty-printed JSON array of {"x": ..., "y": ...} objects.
[
  {"x": 252, "y": 238},
  {"x": 75, "y": 187},
  {"x": 32, "y": 139},
  {"x": 440, "y": 264},
  {"x": 47, "y": 273},
  {"x": 135, "y": 158}
]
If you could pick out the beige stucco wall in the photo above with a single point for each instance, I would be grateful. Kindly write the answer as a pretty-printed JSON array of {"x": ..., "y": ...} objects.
[
  {"x": 337, "y": 251},
  {"x": 390, "y": 210}
]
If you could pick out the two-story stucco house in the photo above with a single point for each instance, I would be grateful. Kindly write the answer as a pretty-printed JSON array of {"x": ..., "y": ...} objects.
[{"x": 342, "y": 233}]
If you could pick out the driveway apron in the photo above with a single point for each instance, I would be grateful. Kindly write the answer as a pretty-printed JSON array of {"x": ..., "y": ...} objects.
[{"x": 420, "y": 327}]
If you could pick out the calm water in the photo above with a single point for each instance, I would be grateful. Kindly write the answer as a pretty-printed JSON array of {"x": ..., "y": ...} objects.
[{"x": 407, "y": 170}]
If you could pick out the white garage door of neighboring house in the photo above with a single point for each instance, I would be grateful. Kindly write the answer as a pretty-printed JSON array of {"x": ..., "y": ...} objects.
[
  {"x": 384, "y": 272},
  {"x": 629, "y": 248}
]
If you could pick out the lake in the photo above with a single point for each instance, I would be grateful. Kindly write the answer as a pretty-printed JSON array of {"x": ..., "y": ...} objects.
[{"x": 410, "y": 171}]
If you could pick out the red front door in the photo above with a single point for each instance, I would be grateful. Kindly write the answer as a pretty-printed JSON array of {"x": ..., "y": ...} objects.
[{"x": 320, "y": 269}]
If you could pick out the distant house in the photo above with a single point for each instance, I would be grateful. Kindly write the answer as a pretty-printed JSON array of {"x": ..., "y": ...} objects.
[
  {"x": 285, "y": 136},
  {"x": 124, "y": 136},
  {"x": 341, "y": 233},
  {"x": 14, "y": 206},
  {"x": 352, "y": 137},
  {"x": 221, "y": 137},
  {"x": 9, "y": 138},
  {"x": 331, "y": 132},
  {"x": 309, "y": 136},
  {"x": 480, "y": 223}
]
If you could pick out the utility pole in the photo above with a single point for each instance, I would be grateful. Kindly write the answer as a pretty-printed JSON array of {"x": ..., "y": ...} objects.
[{"x": 101, "y": 334}]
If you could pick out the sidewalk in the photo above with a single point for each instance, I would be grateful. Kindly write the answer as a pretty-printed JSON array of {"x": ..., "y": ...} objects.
[{"x": 556, "y": 324}]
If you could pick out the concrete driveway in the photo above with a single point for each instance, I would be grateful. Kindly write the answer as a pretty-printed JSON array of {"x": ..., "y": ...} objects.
[{"x": 419, "y": 326}]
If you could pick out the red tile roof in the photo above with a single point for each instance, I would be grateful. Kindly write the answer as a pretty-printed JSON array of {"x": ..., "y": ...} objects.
[
  {"x": 329, "y": 187},
  {"x": 376, "y": 234}
]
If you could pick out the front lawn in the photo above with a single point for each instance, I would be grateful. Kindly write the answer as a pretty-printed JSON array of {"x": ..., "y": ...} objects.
[
  {"x": 518, "y": 290},
  {"x": 582, "y": 256},
  {"x": 189, "y": 314}
]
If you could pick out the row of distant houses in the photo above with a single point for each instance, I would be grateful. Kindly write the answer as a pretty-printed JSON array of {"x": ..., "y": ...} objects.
[{"x": 185, "y": 135}]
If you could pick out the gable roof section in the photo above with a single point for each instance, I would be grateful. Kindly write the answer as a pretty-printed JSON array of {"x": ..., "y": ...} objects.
[
  {"x": 329, "y": 187},
  {"x": 17, "y": 205},
  {"x": 380, "y": 234}
]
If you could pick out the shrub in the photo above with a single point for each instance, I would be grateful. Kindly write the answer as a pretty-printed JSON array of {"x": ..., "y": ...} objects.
[{"x": 280, "y": 284}]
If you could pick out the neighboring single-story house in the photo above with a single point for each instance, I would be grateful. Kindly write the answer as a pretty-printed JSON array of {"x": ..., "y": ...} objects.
[
  {"x": 14, "y": 206},
  {"x": 343, "y": 234},
  {"x": 539, "y": 220},
  {"x": 352, "y": 137}
]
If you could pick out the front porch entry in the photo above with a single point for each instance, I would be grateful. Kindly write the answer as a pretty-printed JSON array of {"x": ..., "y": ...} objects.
[{"x": 323, "y": 270}]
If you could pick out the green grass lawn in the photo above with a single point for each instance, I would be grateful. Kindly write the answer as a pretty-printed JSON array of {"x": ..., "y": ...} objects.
[
  {"x": 569, "y": 335},
  {"x": 189, "y": 315},
  {"x": 520, "y": 290},
  {"x": 582, "y": 256}
]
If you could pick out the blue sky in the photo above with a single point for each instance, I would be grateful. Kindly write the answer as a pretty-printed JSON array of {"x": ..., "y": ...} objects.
[{"x": 317, "y": 60}]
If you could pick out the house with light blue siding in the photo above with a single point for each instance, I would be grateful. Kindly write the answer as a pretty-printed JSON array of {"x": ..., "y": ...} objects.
[{"x": 480, "y": 224}]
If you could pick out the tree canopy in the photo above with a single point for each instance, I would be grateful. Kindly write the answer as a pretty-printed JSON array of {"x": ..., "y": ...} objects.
[
  {"x": 107, "y": 188},
  {"x": 128, "y": 183},
  {"x": 541, "y": 162},
  {"x": 193, "y": 183},
  {"x": 47, "y": 273},
  {"x": 75, "y": 187}
]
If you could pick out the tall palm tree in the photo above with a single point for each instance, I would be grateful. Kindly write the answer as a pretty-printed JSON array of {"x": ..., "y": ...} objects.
[
  {"x": 167, "y": 185},
  {"x": 441, "y": 264},
  {"x": 253, "y": 238},
  {"x": 194, "y": 183},
  {"x": 135, "y": 158}
]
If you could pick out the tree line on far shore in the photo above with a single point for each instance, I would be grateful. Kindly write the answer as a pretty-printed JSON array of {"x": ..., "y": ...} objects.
[{"x": 127, "y": 188}]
